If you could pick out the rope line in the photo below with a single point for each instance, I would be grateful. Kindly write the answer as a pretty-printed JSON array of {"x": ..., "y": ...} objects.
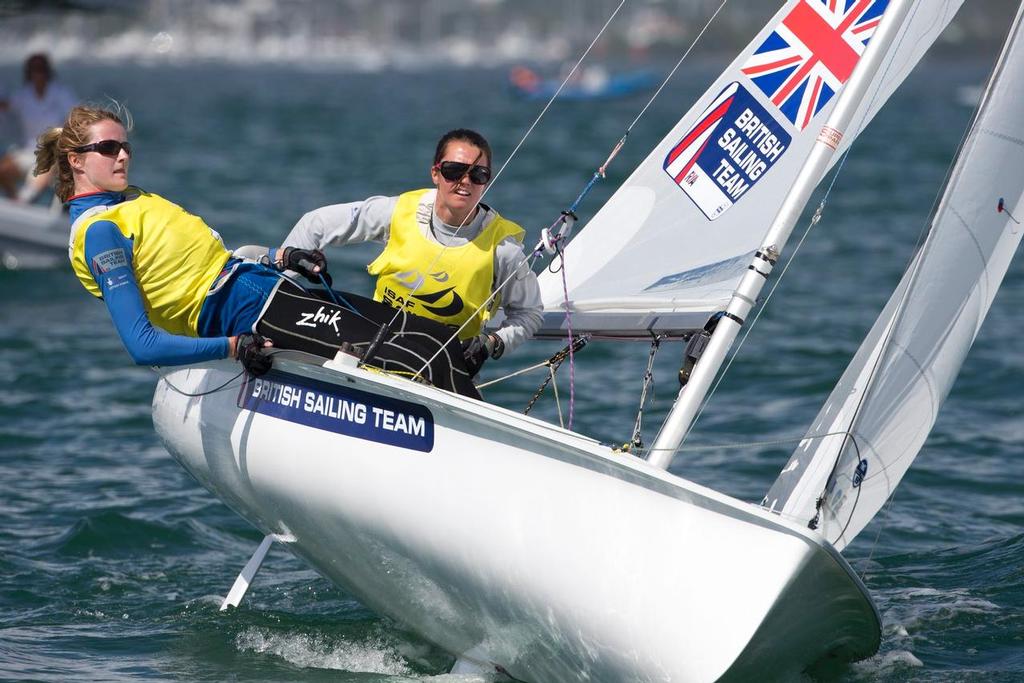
[
  {"x": 819, "y": 212},
  {"x": 915, "y": 264},
  {"x": 598, "y": 175},
  {"x": 674, "y": 69},
  {"x": 522, "y": 141},
  {"x": 601, "y": 171},
  {"x": 572, "y": 357},
  {"x": 221, "y": 387},
  {"x": 553, "y": 364}
]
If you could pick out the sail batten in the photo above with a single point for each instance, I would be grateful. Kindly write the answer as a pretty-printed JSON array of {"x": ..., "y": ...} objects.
[
  {"x": 890, "y": 395},
  {"x": 686, "y": 221}
]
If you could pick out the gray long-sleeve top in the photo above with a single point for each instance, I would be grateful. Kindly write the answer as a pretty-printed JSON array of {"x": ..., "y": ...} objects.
[{"x": 370, "y": 220}]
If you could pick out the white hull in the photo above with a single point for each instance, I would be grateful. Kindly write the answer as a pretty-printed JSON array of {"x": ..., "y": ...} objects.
[
  {"x": 32, "y": 236},
  {"x": 516, "y": 544}
]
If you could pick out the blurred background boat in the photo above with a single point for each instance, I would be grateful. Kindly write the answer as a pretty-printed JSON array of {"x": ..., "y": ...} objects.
[
  {"x": 592, "y": 83},
  {"x": 32, "y": 236}
]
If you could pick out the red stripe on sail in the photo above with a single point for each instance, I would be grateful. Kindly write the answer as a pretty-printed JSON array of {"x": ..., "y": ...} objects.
[
  {"x": 812, "y": 104},
  {"x": 825, "y": 43},
  {"x": 710, "y": 120},
  {"x": 682, "y": 174},
  {"x": 751, "y": 70}
]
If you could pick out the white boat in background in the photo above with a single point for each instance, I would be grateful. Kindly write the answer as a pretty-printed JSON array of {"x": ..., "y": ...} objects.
[
  {"x": 32, "y": 236},
  {"x": 521, "y": 547}
]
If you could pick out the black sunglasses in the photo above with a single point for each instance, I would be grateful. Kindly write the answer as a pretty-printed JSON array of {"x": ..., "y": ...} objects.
[
  {"x": 108, "y": 148},
  {"x": 456, "y": 170}
]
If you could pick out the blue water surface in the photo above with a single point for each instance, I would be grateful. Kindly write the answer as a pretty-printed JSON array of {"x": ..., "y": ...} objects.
[{"x": 113, "y": 560}]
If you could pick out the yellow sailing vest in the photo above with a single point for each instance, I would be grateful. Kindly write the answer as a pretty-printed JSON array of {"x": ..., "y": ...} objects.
[
  {"x": 175, "y": 257},
  {"x": 459, "y": 280}
]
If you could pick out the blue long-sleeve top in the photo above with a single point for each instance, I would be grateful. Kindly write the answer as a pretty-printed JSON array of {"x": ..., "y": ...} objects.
[{"x": 145, "y": 343}]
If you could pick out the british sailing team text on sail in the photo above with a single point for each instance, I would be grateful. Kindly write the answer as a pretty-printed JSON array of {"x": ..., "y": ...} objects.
[
  {"x": 750, "y": 144},
  {"x": 317, "y": 403}
]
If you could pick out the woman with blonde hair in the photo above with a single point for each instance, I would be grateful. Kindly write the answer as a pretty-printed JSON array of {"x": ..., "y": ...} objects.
[{"x": 175, "y": 293}]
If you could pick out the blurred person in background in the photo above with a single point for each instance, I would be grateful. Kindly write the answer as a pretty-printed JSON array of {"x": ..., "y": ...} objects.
[
  {"x": 38, "y": 105},
  {"x": 447, "y": 256}
]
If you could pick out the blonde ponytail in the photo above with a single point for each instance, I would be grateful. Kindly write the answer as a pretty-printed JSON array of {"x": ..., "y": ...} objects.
[
  {"x": 47, "y": 154},
  {"x": 53, "y": 146}
]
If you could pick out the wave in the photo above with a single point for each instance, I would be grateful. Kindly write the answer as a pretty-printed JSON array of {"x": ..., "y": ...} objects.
[
  {"x": 374, "y": 654},
  {"x": 113, "y": 534}
]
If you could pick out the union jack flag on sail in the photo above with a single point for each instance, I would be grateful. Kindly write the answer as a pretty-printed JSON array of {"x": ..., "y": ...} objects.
[{"x": 811, "y": 54}]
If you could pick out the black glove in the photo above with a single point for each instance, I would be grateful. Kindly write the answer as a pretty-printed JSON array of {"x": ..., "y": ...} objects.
[
  {"x": 249, "y": 352},
  {"x": 477, "y": 349},
  {"x": 302, "y": 261}
]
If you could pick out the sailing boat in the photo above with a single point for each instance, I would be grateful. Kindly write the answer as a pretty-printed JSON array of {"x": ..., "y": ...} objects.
[
  {"x": 32, "y": 236},
  {"x": 523, "y": 547}
]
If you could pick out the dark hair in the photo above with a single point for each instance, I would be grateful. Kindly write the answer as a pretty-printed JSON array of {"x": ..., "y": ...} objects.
[
  {"x": 38, "y": 61},
  {"x": 463, "y": 135}
]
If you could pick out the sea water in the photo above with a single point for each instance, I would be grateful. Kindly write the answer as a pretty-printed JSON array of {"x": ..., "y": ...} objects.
[{"x": 113, "y": 560}]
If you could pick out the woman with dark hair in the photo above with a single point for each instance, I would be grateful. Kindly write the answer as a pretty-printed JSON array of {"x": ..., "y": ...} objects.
[
  {"x": 447, "y": 256},
  {"x": 175, "y": 293}
]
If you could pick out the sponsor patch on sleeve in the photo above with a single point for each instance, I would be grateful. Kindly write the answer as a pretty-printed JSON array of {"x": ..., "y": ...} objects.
[
  {"x": 109, "y": 260},
  {"x": 730, "y": 147}
]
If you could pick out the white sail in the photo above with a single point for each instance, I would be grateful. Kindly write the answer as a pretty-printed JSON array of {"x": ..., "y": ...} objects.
[
  {"x": 889, "y": 396},
  {"x": 669, "y": 247}
]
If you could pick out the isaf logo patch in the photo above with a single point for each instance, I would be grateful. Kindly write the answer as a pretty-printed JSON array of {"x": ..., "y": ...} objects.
[{"x": 438, "y": 302}]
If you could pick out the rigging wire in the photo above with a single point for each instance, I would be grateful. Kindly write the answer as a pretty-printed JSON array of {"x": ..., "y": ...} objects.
[
  {"x": 671, "y": 73},
  {"x": 501, "y": 170},
  {"x": 557, "y": 92},
  {"x": 819, "y": 212},
  {"x": 914, "y": 266},
  {"x": 913, "y": 269},
  {"x": 553, "y": 364},
  {"x": 878, "y": 534},
  {"x": 601, "y": 170},
  {"x": 637, "y": 441},
  {"x": 516, "y": 373},
  {"x": 600, "y": 173},
  {"x": 572, "y": 357}
]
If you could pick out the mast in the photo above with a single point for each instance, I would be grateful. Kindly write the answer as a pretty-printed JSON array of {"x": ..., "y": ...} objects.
[
  {"x": 890, "y": 395},
  {"x": 690, "y": 397}
]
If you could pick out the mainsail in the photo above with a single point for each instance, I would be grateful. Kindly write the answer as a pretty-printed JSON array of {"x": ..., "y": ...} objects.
[
  {"x": 878, "y": 416},
  {"x": 670, "y": 246}
]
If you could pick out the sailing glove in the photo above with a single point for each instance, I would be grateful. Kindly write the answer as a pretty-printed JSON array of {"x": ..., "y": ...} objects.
[
  {"x": 249, "y": 352},
  {"x": 478, "y": 349},
  {"x": 302, "y": 261}
]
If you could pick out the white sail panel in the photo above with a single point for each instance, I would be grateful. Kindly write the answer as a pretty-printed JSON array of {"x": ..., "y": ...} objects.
[
  {"x": 898, "y": 380},
  {"x": 670, "y": 246}
]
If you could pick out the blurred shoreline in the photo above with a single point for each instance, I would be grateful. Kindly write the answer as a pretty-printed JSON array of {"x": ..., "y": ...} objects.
[{"x": 378, "y": 35}]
